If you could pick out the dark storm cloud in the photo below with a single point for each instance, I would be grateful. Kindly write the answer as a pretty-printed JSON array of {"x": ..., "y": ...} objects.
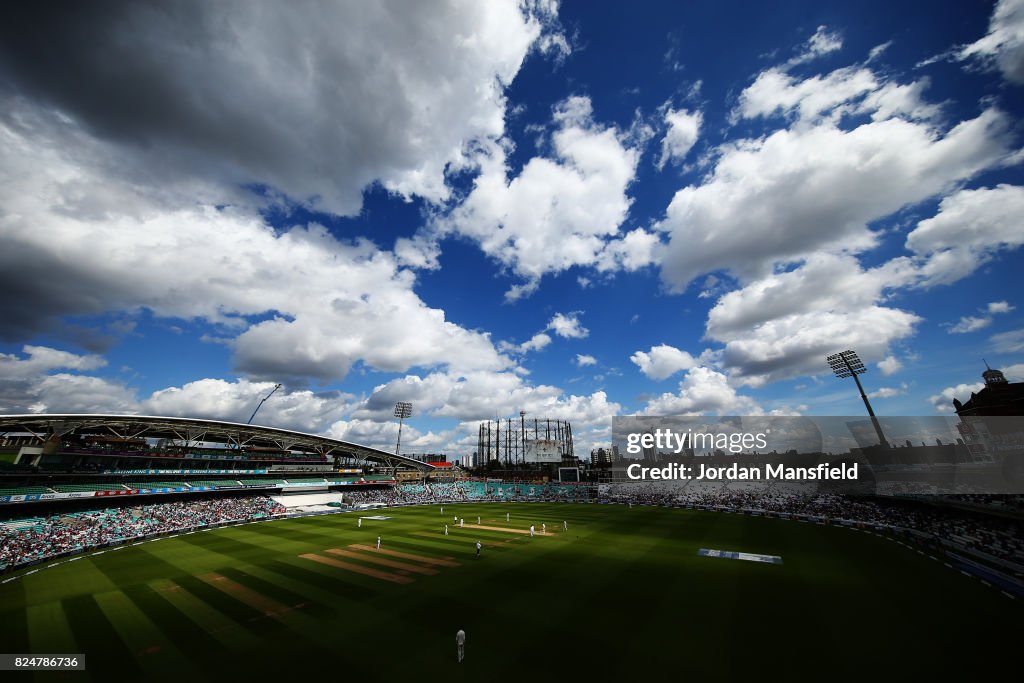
[
  {"x": 35, "y": 293},
  {"x": 314, "y": 99}
]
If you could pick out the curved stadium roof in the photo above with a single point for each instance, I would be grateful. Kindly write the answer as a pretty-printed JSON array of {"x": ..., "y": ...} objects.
[{"x": 45, "y": 426}]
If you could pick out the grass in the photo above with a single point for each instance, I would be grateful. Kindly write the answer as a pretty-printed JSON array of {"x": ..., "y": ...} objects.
[{"x": 622, "y": 594}]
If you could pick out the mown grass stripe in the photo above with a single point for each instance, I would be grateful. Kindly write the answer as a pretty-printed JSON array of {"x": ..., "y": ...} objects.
[
  {"x": 244, "y": 615},
  {"x": 325, "y": 580},
  {"x": 227, "y": 544},
  {"x": 277, "y": 592},
  {"x": 176, "y": 625},
  {"x": 357, "y": 568},
  {"x": 107, "y": 653},
  {"x": 14, "y": 618},
  {"x": 153, "y": 650},
  {"x": 308, "y": 534},
  {"x": 384, "y": 562},
  {"x": 48, "y": 629},
  {"x": 425, "y": 559},
  {"x": 215, "y": 623}
]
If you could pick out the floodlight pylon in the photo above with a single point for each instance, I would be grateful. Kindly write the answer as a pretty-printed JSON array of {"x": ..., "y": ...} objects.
[
  {"x": 848, "y": 364},
  {"x": 403, "y": 409}
]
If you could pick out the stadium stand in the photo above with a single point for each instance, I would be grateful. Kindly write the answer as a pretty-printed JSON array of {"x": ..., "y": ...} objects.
[
  {"x": 75, "y": 488},
  {"x": 24, "y": 490},
  {"x": 154, "y": 484},
  {"x": 997, "y": 537},
  {"x": 33, "y": 539}
]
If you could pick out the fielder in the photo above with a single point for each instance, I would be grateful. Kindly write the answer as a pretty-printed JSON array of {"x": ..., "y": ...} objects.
[
  {"x": 378, "y": 543},
  {"x": 462, "y": 523},
  {"x": 565, "y": 525},
  {"x": 531, "y": 531},
  {"x": 506, "y": 516},
  {"x": 478, "y": 520},
  {"x": 544, "y": 527},
  {"x": 359, "y": 524},
  {"x": 478, "y": 546},
  {"x": 445, "y": 529},
  {"x": 460, "y": 641}
]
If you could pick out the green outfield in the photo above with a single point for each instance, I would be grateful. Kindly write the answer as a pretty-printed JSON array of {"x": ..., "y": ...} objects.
[{"x": 621, "y": 594}]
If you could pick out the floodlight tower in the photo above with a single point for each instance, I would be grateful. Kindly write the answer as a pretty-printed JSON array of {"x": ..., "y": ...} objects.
[
  {"x": 522, "y": 437},
  {"x": 848, "y": 364},
  {"x": 403, "y": 409},
  {"x": 276, "y": 387}
]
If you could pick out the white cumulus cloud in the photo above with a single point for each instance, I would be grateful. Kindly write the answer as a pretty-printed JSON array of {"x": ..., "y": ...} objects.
[
  {"x": 971, "y": 228},
  {"x": 663, "y": 361},
  {"x": 293, "y": 303},
  {"x": 683, "y": 129},
  {"x": 1003, "y": 45},
  {"x": 943, "y": 401},
  {"x": 702, "y": 391},
  {"x": 568, "y": 325},
  {"x": 576, "y": 199},
  {"x": 889, "y": 365}
]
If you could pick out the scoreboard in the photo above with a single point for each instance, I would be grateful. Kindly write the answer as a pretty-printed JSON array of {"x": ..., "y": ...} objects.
[{"x": 543, "y": 450}]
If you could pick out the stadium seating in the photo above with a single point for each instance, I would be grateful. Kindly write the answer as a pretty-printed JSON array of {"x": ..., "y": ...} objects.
[
  {"x": 155, "y": 484},
  {"x": 78, "y": 488},
  {"x": 37, "y": 538},
  {"x": 473, "y": 489},
  {"x": 24, "y": 491},
  {"x": 26, "y": 524}
]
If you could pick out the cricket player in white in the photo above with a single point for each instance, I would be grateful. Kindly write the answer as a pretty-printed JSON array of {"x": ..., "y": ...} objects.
[
  {"x": 442, "y": 509},
  {"x": 544, "y": 527},
  {"x": 565, "y": 525},
  {"x": 506, "y": 516},
  {"x": 531, "y": 531},
  {"x": 461, "y": 523},
  {"x": 378, "y": 543},
  {"x": 478, "y": 521},
  {"x": 478, "y": 546},
  {"x": 460, "y": 640},
  {"x": 359, "y": 524},
  {"x": 445, "y": 529}
]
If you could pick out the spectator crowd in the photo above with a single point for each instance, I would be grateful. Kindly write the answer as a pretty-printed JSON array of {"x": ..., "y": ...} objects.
[
  {"x": 63, "y": 533},
  {"x": 997, "y": 536}
]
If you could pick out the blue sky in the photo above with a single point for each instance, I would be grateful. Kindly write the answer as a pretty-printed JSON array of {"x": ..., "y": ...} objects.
[{"x": 573, "y": 209}]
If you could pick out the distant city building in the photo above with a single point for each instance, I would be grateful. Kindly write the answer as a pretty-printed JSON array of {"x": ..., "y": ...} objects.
[
  {"x": 604, "y": 455},
  {"x": 650, "y": 454}
]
